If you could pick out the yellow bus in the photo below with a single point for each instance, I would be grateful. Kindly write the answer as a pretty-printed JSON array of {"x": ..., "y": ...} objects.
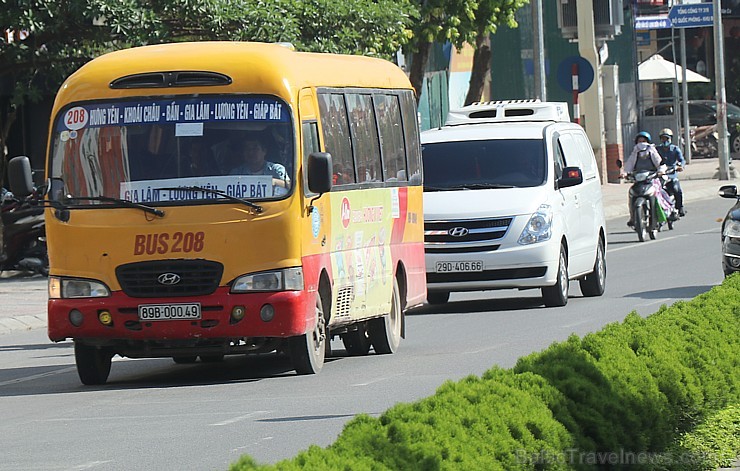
[{"x": 209, "y": 199}]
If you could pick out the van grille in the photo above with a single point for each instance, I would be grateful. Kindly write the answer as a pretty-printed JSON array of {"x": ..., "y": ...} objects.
[
  {"x": 153, "y": 279},
  {"x": 465, "y": 235}
]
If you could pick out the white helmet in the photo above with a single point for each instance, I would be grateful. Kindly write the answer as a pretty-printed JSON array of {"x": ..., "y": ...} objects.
[{"x": 666, "y": 132}]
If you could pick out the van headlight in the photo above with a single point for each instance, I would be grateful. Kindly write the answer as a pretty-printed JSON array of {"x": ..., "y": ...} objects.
[
  {"x": 68, "y": 288},
  {"x": 287, "y": 279},
  {"x": 539, "y": 226},
  {"x": 732, "y": 229}
]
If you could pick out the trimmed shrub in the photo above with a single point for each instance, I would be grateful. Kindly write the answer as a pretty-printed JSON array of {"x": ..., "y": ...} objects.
[{"x": 621, "y": 396}]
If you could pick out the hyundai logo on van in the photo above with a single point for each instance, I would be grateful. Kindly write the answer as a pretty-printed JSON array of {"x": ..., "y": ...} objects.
[
  {"x": 458, "y": 231},
  {"x": 168, "y": 279}
]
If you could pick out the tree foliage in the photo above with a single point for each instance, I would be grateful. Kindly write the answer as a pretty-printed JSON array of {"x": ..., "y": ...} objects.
[
  {"x": 49, "y": 39},
  {"x": 459, "y": 22}
]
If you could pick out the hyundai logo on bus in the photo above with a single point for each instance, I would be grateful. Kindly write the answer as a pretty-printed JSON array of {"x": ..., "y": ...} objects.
[
  {"x": 458, "y": 232},
  {"x": 168, "y": 279}
]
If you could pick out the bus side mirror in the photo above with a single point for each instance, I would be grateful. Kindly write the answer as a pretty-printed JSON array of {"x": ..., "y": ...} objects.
[
  {"x": 20, "y": 176},
  {"x": 319, "y": 172}
]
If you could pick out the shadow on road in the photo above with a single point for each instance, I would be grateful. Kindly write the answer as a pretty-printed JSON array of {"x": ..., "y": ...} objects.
[{"x": 682, "y": 292}]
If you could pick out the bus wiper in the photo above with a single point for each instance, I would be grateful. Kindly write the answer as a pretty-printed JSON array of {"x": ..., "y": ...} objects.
[
  {"x": 122, "y": 202},
  {"x": 211, "y": 191}
]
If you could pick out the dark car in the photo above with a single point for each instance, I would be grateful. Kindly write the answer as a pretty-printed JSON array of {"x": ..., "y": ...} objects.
[
  {"x": 731, "y": 232},
  {"x": 704, "y": 113}
]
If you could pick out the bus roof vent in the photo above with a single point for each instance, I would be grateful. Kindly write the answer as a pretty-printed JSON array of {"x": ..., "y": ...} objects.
[
  {"x": 184, "y": 78},
  {"x": 508, "y": 111}
]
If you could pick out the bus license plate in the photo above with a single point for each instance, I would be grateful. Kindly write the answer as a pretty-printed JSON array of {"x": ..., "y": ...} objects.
[
  {"x": 456, "y": 267},
  {"x": 169, "y": 312}
]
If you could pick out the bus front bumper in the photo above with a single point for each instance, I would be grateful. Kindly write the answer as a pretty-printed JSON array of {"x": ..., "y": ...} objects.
[{"x": 80, "y": 319}]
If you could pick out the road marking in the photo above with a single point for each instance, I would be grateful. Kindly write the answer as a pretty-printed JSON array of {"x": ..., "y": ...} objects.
[
  {"x": 486, "y": 349},
  {"x": 384, "y": 378},
  {"x": 647, "y": 242},
  {"x": 240, "y": 418},
  {"x": 37, "y": 376},
  {"x": 92, "y": 464}
]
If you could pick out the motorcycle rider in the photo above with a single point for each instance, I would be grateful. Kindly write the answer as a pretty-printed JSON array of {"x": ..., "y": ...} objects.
[
  {"x": 644, "y": 156},
  {"x": 672, "y": 157}
]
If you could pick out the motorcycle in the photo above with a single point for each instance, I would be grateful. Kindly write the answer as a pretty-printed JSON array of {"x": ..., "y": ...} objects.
[
  {"x": 704, "y": 141},
  {"x": 23, "y": 234},
  {"x": 646, "y": 193}
]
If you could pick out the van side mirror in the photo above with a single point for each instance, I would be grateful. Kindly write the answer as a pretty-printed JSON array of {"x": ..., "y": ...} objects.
[
  {"x": 572, "y": 176},
  {"x": 319, "y": 172},
  {"x": 20, "y": 176},
  {"x": 728, "y": 191}
]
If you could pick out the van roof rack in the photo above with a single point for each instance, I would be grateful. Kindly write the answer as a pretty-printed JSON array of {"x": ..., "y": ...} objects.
[{"x": 509, "y": 111}]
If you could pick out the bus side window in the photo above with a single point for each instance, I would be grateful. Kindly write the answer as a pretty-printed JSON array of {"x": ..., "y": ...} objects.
[
  {"x": 365, "y": 137},
  {"x": 310, "y": 132},
  {"x": 411, "y": 136},
  {"x": 336, "y": 134},
  {"x": 393, "y": 151}
]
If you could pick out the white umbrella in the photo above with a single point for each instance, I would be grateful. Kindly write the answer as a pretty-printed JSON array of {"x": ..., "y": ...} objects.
[{"x": 657, "y": 69}]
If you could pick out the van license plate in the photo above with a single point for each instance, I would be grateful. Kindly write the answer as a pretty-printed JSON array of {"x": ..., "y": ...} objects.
[
  {"x": 169, "y": 312},
  {"x": 456, "y": 267}
]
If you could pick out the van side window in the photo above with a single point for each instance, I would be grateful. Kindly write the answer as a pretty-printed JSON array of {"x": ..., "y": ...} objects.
[
  {"x": 587, "y": 156},
  {"x": 365, "y": 135},
  {"x": 558, "y": 160},
  {"x": 335, "y": 130}
]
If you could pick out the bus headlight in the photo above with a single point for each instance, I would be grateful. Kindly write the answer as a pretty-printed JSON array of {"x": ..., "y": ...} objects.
[
  {"x": 288, "y": 279},
  {"x": 539, "y": 226},
  {"x": 66, "y": 288}
]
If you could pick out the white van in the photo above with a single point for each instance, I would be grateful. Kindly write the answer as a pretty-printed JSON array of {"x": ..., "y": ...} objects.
[{"x": 512, "y": 199}]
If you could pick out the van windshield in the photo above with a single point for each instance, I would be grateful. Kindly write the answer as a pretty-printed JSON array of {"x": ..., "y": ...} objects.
[
  {"x": 498, "y": 163},
  {"x": 162, "y": 150}
]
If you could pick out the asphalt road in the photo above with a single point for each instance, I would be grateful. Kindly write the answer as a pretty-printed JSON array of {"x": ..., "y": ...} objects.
[{"x": 154, "y": 414}]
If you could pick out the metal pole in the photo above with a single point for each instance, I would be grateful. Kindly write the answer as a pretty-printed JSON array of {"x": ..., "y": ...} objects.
[
  {"x": 539, "y": 51},
  {"x": 719, "y": 77},
  {"x": 685, "y": 102},
  {"x": 576, "y": 87}
]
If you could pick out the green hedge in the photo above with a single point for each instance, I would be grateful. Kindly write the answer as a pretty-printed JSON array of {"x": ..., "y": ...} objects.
[{"x": 634, "y": 394}]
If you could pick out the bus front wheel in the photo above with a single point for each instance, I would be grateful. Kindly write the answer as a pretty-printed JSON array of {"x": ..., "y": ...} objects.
[
  {"x": 307, "y": 351},
  {"x": 93, "y": 364},
  {"x": 385, "y": 332}
]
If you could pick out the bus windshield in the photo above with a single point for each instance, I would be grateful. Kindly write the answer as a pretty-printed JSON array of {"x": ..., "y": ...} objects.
[{"x": 164, "y": 150}]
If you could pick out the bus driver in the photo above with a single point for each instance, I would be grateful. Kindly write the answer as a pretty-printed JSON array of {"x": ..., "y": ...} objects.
[{"x": 251, "y": 152}]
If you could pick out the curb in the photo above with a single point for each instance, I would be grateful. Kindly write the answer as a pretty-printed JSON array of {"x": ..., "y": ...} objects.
[{"x": 13, "y": 324}]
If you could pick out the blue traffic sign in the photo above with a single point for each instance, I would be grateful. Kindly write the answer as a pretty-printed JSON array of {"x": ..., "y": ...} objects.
[
  {"x": 585, "y": 73},
  {"x": 694, "y": 15}
]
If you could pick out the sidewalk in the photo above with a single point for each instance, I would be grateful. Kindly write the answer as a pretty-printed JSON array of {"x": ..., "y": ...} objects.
[{"x": 23, "y": 300}]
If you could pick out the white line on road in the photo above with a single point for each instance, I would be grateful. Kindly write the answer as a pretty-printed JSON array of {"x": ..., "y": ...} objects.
[
  {"x": 40, "y": 375},
  {"x": 240, "y": 418},
  {"x": 384, "y": 378}
]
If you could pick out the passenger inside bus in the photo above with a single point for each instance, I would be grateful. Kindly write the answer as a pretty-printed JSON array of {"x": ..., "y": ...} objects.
[{"x": 250, "y": 152}]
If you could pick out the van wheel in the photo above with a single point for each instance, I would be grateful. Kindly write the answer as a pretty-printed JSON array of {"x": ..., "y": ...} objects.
[
  {"x": 357, "y": 342},
  {"x": 438, "y": 297},
  {"x": 594, "y": 283},
  {"x": 185, "y": 360},
  {"x": 307, "y": 351},
  {"x": 557, "y": 295},
  {"x": 385, "y": 332},
  {"x": 93, "y": 364}
]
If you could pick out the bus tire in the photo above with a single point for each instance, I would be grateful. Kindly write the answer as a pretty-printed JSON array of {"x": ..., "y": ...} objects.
[
  {"x": 93, "y": 364},
  {"x": 212, "y": 358},
  {"x": 385, "y": 332},
  {"x": 307, "y": 351},
  {"x": 357, "y": 342}
]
